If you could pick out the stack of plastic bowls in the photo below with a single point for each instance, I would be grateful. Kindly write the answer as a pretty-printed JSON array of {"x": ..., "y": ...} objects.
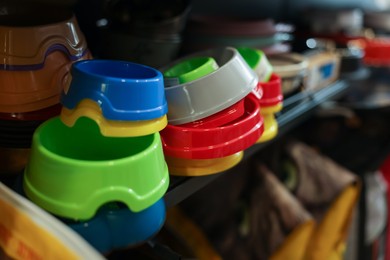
[
  {"x": 292, "y": 69},
  {"x": 376, "y": 51},
  {"x": 268, "y": 91},
  {"x": 378, "y": 21},
  {"x": 124, "y": 98},
  {"x": 146, "y": 32},
  {"x": 212, "y": 118},
  {"x": 104, "y": 152},
  {"x": 321, "y": 20},
  {"x": 37, "y": 47},
  {"x": 211, "y": 31}
]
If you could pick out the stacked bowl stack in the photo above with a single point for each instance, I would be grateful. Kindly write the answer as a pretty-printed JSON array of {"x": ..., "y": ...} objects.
[
  {"x": 212, "y": 118},
  {"x": 339, "y": 25},
  {"x": 100, "y": 165},
  {"x": 292, "y": 68},
  {"x": 146, "y": 32},
  {"x": 376, "y": 51},
  {"x": 38, "y": 45},
  {"x": 268, "y": 91},
  {"x": 378, "y": 21},
  {"x": 210, "y": 31},
  {"x": 348, "y": 21}
]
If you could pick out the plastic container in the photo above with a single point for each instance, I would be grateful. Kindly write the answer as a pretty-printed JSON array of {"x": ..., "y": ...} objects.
[
  {"x": 90, "y": 109},
  {"x": 189, "y": 70},
  {"x": 38, "y": 44},
  {"x": 215, "y": 142},
  {"x": 116, "y": 227},
  {"x": 334, "y": 20},
  {"x": 271, "y": 91},
  {"x": 258, "y": 61},
  {"x": 230, "y": 26},
  {"x": 193, "y": 69},
  {"x": 153, "y": 50},
  {"x": 124, "y": 90},
  {"x": 221, "y": 118},
  {"x": 249, "y": 41},
  {"x": 168, "y": 17},
  {"x": 202, "y": 167},
  {"x": 276, "y": 49},
  {"x": 30, "y": 90},
  {"x": 208, "y": 95},
  {"x": 376, "y": 51},
  {"x": 377, "y": 20},
  {"x": 74, "y": 171},
  {"x": 268, "y": 92},
  {"x": 271, "y": 102},
  {"x": 29, "y": 33},
  {"x": 292, "y": 69}
]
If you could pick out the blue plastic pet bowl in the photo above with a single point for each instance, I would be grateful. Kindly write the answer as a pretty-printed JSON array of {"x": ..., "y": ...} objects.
[{"x": 124, "y": 90}]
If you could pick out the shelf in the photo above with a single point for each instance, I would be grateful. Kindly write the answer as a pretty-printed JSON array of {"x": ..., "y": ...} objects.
[{"x": 297, "y": 109}]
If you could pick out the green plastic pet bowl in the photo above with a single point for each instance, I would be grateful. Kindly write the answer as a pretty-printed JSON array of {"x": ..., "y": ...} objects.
[
  {"x": 191, "y": 69},
  {"x": 73, "y": 171},
  {"x": 258, "y": 61}
]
